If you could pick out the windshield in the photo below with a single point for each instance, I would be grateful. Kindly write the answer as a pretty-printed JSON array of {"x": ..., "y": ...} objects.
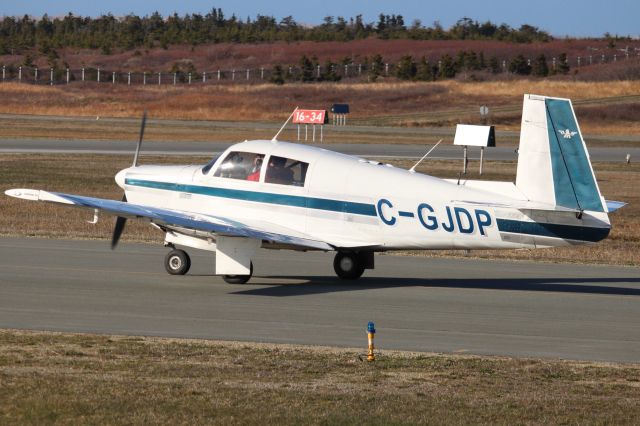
[
  {"x": 241, "y": 165},
  {"x": 209, "y": 165}
]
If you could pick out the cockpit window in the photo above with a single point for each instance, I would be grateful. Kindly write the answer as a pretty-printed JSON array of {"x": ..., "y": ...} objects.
[
  {"x": 241, "y": 165},
  {"x": 286, "y": 171},
  {"x": 209, "y": 165}
]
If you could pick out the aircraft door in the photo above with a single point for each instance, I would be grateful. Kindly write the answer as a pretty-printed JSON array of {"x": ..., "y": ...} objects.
[{"x": 327, "y": 186}]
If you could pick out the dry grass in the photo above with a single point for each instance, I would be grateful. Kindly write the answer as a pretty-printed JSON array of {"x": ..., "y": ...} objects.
[
  {"x": 117, "y": 129},
  {"x": 74, "y": 378},
  {"x": 566, "y": 89},
  {"x": 93, "y": 175},
  {"x": 440, "y": 103}
]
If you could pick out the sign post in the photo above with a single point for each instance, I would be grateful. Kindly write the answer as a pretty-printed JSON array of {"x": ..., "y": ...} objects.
[
  {"x": 470, "y": 135},
  {"x": 313, "y": 117},
  {"x": 340, "y": 112},
  {"x": 484, "y": 113}
]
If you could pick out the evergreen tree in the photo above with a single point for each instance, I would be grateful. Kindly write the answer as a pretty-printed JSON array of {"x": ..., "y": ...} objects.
[
  {"x": 481, "y": 62},
  {"x": 519, "y": 65},
  {"x": 539, "y": 67},
  {"x": 329, "y": 72},
  {"x": 424, "y": 71},
  {"x": 447, "y": 67},
  {"x": 306, "y": 69},
  {"x": 277, "y": 75},
  {"x": 563, "y": 64},
  {"x": 494, "y": 65},
  {"x": 405, "y": 68},
  {"x": 28, "y": 61},
  {"x": 376, "y": 67}
]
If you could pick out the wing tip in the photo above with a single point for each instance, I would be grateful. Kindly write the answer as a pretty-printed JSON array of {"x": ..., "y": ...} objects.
[{"x": 23, "y": 193}]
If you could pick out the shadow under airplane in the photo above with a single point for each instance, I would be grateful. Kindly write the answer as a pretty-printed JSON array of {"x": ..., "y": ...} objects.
[{"x": 330, "y": 284}]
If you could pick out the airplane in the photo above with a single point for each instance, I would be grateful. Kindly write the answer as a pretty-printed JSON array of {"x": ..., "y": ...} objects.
[{"x": 270, "y": 194}]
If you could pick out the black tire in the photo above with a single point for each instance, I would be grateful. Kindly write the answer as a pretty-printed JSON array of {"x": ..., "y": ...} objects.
[
  {"x": 348, "y": 266},
  {"x": 177, "y": 262},
  {"x": 239, "y": 279}
]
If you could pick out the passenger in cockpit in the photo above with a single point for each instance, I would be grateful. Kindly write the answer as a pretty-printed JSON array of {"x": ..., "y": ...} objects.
[
  {"x": 255, "y": 171},
  {"x": 277, "y": 172}
]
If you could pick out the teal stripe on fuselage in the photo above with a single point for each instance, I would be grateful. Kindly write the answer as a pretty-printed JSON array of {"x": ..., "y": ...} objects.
[
  {"x": 262, "y": 197},
  {"x": 553, "y": 230}
]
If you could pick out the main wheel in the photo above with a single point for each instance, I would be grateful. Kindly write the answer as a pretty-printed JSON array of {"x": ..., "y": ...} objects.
[
  {"x": 348, "y": 266},
  {"x": 239, "y": 279},
  {"x": 177, "y": 262}
]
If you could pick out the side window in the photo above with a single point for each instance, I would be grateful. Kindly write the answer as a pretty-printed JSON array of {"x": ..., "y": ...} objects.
[
  {"x": 241, "y": 165},
  {"x": 286, "y": 171}
]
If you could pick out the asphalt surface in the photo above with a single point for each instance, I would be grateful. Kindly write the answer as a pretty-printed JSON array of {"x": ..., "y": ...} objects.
[
  {"x": 382, "y": 151},
  {"x": 444, "y": 305}
]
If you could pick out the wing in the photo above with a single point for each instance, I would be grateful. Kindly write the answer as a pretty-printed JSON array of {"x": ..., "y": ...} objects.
[{"x": 176, "y": 218}]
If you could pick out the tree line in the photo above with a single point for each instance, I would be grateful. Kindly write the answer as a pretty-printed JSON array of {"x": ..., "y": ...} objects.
[
  {"x": 420, "y": 69},
  {"x": 108, "y": 32},
  {"x": 310, "y": 69}
]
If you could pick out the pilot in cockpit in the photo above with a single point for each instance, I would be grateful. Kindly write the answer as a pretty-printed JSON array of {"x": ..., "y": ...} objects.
[{"x": 254, "y": 175}]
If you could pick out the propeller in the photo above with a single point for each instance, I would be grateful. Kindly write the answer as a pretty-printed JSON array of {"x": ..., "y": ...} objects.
[
  {"x": 142, "y": 126},
  {"x": 121, "y": 221}
]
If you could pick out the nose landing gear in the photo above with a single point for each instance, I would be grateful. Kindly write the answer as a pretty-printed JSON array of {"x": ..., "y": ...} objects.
[{"x": 177, "y": 262}]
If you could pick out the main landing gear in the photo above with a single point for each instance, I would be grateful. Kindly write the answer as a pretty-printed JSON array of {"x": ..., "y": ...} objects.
[
  {"x": 351, "y": 265},
  {"x": 239, "y": 279}
]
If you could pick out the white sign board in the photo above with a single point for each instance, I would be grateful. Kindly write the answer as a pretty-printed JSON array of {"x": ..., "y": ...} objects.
[{"x": 471, "y": 135}]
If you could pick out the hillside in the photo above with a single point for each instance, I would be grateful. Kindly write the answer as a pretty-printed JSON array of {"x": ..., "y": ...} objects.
[{"x": 229, "y": 56}]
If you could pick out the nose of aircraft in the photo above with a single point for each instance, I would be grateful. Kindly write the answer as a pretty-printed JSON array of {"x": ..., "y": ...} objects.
[{"x": 120, "y": 177}]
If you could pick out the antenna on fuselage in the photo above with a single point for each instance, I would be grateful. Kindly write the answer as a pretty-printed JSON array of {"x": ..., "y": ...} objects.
[
  {"x": 275, "y": 138},
  {"x": 413, "y": 169}
]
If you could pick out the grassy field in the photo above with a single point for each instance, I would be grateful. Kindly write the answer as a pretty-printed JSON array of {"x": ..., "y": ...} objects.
[
  {"x": 119, "y": 129},
  {"x": 52, "y": 378},
  {"x": 408, "y": 104},
  {"x": 93, "y": 175}
]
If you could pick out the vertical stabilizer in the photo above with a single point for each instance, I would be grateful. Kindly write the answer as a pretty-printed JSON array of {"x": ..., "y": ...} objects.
[{"x": 553, "y": 162}]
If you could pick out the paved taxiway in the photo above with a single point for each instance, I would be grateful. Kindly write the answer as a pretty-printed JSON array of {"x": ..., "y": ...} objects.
[
  {"x": 450, "y": 305},
  {"x": 381, "y": 151}
]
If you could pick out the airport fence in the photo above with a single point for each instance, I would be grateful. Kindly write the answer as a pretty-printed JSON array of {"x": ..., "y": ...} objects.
[{"x": 57, "y": 76}]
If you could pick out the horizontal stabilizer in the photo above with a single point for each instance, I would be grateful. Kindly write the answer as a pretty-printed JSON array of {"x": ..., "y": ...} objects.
[
  {"x": 525, "y": 205},
  {"x": 612, "y": 206}
]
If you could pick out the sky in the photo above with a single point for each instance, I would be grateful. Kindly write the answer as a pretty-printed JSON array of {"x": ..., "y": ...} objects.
[{"x": 579, "y": 18}]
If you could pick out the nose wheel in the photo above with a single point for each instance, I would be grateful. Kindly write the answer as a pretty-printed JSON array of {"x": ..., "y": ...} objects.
[
  {"x": 177, "y": 262},
  {"x": 348, "y": 266}
]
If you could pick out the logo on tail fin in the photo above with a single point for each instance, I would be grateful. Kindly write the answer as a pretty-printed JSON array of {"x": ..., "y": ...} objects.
[{"x": 567, "y": 134}]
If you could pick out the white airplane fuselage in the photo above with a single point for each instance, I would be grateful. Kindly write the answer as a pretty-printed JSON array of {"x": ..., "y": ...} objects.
[{"x": 354, "y": 203}]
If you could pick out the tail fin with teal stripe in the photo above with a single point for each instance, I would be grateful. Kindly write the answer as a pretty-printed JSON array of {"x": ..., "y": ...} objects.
[{"x": 553, "y": 163}]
